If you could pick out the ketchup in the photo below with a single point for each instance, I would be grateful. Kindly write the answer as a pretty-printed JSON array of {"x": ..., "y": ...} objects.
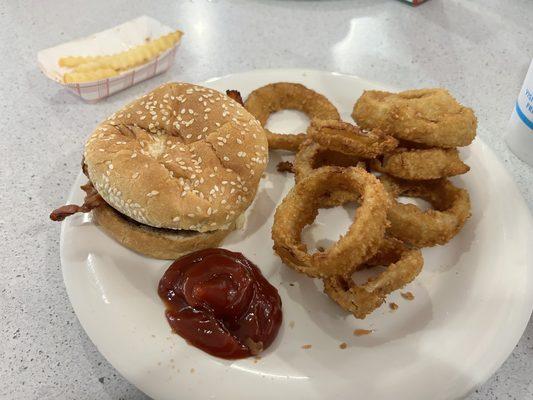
[{"x": 219, "y": 301}]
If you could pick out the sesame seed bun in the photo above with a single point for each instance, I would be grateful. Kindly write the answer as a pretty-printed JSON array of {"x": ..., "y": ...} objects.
[
  {"x": 166, "y": 244},
  {"x": 181, "y": 157}
]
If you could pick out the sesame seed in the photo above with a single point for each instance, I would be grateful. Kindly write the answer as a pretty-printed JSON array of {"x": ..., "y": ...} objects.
[
  {"x": 176, "y": 219},
  {"x": 135, "y": 175},
  {"x": 152, "y": 193},
  {"x": 190, "y": 215}
]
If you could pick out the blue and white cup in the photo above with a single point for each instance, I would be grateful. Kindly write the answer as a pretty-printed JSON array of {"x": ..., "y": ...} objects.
[{"x": 520, "y": 129}]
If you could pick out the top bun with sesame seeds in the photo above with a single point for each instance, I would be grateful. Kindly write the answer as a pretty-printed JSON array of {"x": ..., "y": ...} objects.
[{"x": 181, "y": 157}]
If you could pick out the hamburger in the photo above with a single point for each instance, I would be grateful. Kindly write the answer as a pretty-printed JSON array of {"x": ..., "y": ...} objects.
[{"x": 173, "y": 171}]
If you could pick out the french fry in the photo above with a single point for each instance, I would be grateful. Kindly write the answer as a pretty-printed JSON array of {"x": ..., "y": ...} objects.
[
  {"x": 89, "y": 68},
  {"x": 74, "y": 61},
  {"x": 95, "y": 75}
]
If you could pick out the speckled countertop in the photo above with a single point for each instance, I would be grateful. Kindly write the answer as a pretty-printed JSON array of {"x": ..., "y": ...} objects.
[{"x": 480, "y": 50}]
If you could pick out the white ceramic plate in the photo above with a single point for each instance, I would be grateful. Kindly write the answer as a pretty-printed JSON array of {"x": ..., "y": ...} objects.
[{"x": 472, "y": 300}]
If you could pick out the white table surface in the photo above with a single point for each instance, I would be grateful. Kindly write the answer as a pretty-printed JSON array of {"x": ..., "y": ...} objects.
[{"x": 480, "y": 50}]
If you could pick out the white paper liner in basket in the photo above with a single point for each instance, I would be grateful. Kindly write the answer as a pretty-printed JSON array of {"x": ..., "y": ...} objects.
[{"x": 110, "y": 41}]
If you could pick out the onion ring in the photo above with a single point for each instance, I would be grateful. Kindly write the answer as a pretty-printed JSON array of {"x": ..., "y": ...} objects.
[
  {"x": 420, "y": 164},
  {"x": 403, "y": 265},
  {"x": 262, "y": 102},
  {"x": 350, "y": 139},
  {"x": 300, "y": 207},
  {"x": 312, "y": 156},
  {"x": 429, "y": 116},
  {"x": 432, "y": 227}
]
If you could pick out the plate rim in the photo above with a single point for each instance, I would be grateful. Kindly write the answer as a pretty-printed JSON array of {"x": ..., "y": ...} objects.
[{"x": 504, "y": 351}]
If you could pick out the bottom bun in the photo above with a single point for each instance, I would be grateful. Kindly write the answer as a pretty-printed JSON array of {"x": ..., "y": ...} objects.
[{"x": 165, "y": 244}]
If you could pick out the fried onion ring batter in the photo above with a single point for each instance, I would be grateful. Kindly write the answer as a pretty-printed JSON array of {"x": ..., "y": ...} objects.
[
  {"x": 451, "y": 209},
  {"x": 420, "y": 164},
  {"x": 300, "y": 208},
  {"x": 264, "y": 101},
  {"x": 403, "y": 265},
  {"x": 350, "y": 139},
  {"x": 429, "y": 116},
  {"x": 312, "y": 156}
]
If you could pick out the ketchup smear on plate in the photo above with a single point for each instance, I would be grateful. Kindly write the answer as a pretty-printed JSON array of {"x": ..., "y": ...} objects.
[{"x": 219, "y": 301}]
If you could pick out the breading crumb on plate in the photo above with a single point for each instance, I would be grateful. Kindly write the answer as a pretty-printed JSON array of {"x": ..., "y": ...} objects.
[{"x": 408, "y": 296}]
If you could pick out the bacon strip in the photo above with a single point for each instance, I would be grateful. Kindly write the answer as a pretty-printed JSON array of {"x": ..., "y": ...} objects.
[
  {"x": 235, "y": 95},
  {"x": 91, "y": 201}
]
